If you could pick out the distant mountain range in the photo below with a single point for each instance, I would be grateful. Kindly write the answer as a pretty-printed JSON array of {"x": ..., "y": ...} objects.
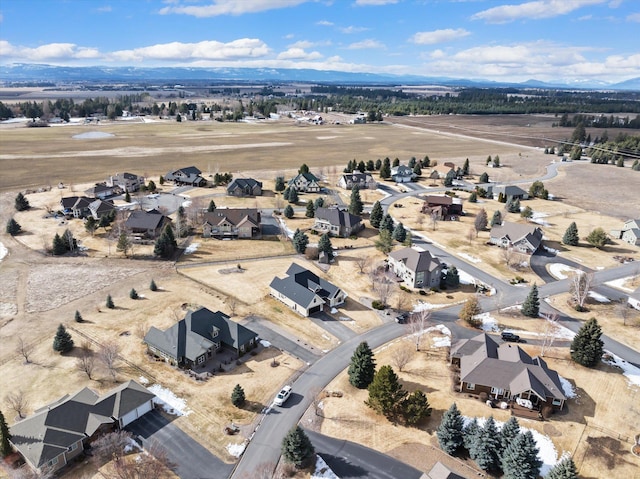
[{"x": 23, "y": 72}]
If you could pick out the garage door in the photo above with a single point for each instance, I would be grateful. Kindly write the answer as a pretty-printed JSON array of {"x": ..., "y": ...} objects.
[
  {"x": 315, "y": 309},
  {"x": 135, "y": 414}
]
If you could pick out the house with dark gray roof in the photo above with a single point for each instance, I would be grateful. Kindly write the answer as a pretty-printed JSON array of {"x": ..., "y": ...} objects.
[
  {"x": 402, "y": 174},
  {"x": 525, "y": 238},
  {"x": 129, "y": 182},
  {"x": 186, "y": 176},
  {"x": 103, "y": 191},
  {"x": 361, "y": 180},
  {"x": 305, "y": 182},
  {"x": 305, "y": 292},
  {"x": 58, "y": 432},
  {"x": 509, "y": 192},
  {"x": 242, "y": 187},
  {"x": 506, "y": 372},
  {"x": 243, "y": 223},
  {"x": 337, "y": 222},
  {"x": 197, "y": 337},
  {"x": 148, "y": 223},
  {"x": 416, "y": 267},
  {"x": 83, "y": 207}
]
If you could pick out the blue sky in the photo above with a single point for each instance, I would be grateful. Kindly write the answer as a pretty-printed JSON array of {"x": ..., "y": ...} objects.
[{"x": 510, "y": 40}]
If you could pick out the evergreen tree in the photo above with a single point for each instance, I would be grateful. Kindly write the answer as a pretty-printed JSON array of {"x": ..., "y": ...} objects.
[
  {"x": 166, "y": 243},
  {"x": 151, "y": 186},
  {"x": 513, "y": 205},
  {"x": 90, "y": 225},
  {"x": 501, "y": 198},
  {"x": 376, "y": 215},
  {"x": 520, "y": 459},
  {"x": 124, "y": 243},
  {"x": 385, "y": 169},
  {"x": 384, "y": 243},
  {"x": 288, "y": 211},
  {"x": 636, "y": 166},
  {"x": 133, "y": 294},
  {"x": 570, "y": 236},
  {"x": 355, "y": 205},
  {"x": 237, "y": 396},
  {"x": 481, "y": 221},
  {"x": 399, "y": 233},
  {"x": 378, "y": 164},
  {"x": 161, "y": 180},
  {"x": 487, "y": 446},
  {"x": 362, "y": 367},
  {"x": 526, "y": 212},
  {"x": 109, "y": 302},
  {"x": 452, "y": 278},
  {"x": 127, "y": 197},
  {"x": 531, "y": 305},
  {"x": 311, "y": 211},
  {"x": 412, "y": 162},
  {"x": 104, "y": 221},
  {"x": 496, "y": 161},
  {"x": 426, "y": 162},
  {"x": 58, "y": 245},
  {"x": 586, "y": 347},
  {"x": 496, "y": 219},
  {"x": 598, "y": 238},
  {"x": 153, "y": 286},
  {"x": 484, "y": 177},
  {"x": 13, "y": 228},
  {"x": 473, "y": 197},
  {"x": 5, "y": 435},
  {"x": 415, "y": 407},
  {"x": 318, "y": 203},
  {"x": 296, "y": 447},
  {"x": 396, "y": 162},
  {"x": 286, "y": 192},
  {"x": 212, "y": 206},
  {"x": 325, "y": 246},
  {"x": 465, "y": 167},
  {"x": 565, "y": 469},
  {"x": 387, "y": 223},
  {"x": 300, "y": 241},
  {"x": 508, "y": 433},
  {"x": 448, "y": 180},
  {"x": 470, "y": 437},
  {"x": 361, "y": 167},
  {"x": 293, "y": 196},
  {"x": 21, "y": 203},
  {"x": 78, "y": 317},
  {"x": 488, "y": 160},
  {"x": 417, "y": 170},
  {"x": 386, "y": 394},
  {"x": 62, "y": 341},
  {"x": 303, "y": 169},
  {"x": 450, "y": 431},
  {"x": 279, "y": 186},
  {"x": 370, "y": 166}
]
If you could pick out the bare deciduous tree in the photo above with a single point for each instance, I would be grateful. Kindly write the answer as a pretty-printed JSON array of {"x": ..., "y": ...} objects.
[
  {"x": 550, "y": 331},
  {"x": 18, "y": 402},
  {"x": 507, "y": 255},
  {"x": 417, "y": 324},
  {"x": 109, "y": 355},
  {"x": 86, "y": 364},
  {"x": 623, "y": 311},
  {"x": 579, "y": 287},
  {"x": 25, "y": 472},
  {"x": 401, "y": 299},
  {"x": 401, "y": 355},
  {"x": 383, "y": 288},
  {"x": 472, "y": 234},
  {"x": 434, "y": 220},
  {"x": 363, "y": 262},
  {"x": 24, "y": 349},
  {"x": 232, "y": 304}
]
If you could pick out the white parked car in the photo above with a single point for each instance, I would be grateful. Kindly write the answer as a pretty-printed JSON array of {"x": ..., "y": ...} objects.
[{"x": 282, "y": 396}]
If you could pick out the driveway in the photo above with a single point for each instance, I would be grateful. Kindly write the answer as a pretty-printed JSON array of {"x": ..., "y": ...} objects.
[
  {"x": 333, "y": 326},
  {"x": 191, "y": 459}
]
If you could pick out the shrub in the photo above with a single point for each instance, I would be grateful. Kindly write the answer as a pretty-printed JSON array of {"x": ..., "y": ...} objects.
[{"x": 378, "y": 304}]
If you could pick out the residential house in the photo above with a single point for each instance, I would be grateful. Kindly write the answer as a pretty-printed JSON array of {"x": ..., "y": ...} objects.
[
  {"x": 361, "y": 180},
  {"x": 416, "y": 267},
  {"x": 443, "y": 206},
  {"x": 440, "y": 172},
  {"x": 103, "y": 191},
  {"x": 245, "y": 187},
  {"x": 521, "y": 237},
  {"x": 402, "y": 174},
  {"x": 99, "y": 208},
  {"x": 232, "y": 223},
  {"x": 58, "y": 432},
  {"x": 630, "y": 232},
  {"x": 506, "y": 372},
  {"x": 127, "y": 181},
  {"x": 83, "y": 207},
  {"x": 634, "y": 299},
  {"x": 440, "y": 471},
  {"x": 147, "y": 223},
  {"x": 305, "y": 292},
  {"x": 186, "y": 176},
  {"x": 197, "y": 337},
  {"x": 306, "y": 183},
  {"x": 509, "y": 192},
  {"x": 337, "y": 222}
]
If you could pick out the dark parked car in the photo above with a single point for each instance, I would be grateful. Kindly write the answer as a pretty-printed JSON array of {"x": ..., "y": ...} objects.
[
  {"x": 510, "y": 337},
  {"x": 402, "y": 318}
]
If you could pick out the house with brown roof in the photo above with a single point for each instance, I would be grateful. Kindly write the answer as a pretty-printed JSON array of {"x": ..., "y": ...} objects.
[
  {"x": 506, "y": 372},
  {"x": 525, "y": 238},
  {"x": 58, "y": 432},
  {"x": 337, "y": 222},
  {"x": 440, "y": 172},
  {"x": 148, "y": 223},
  {"x": 232, "y": 223},
  {"x": 443, "y": 206},
  {"x": 416, "y": 267}
]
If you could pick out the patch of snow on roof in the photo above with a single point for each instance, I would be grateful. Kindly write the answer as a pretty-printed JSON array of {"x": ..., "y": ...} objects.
[
  {"x": 560, "y": 271},
  {"x": 3, "y": 251},
  {"x": 567, "y": 388},
  {"x": 631, "y": 372},
  {"x": 620, "y": 284},
  {"x": 489, "y": 323},
  {"x": 236, "y": 450},
  {"x": 192, "y": 248},
  {"x": 598, "y": 297},
  {"x": 470, "y": 258},
  {"x": 322, "y": 471},
  {"x": 171, "y": 403}
]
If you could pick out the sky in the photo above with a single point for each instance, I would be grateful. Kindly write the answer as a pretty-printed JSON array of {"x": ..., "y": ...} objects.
[{"x": 503, "y": 40}]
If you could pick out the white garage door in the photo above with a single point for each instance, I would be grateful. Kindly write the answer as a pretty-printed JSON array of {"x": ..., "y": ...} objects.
[{"x": 135, "y": 414}]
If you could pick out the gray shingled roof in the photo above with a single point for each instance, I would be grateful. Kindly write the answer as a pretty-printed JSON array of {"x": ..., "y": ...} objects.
[
  {"x": 440, "y": 471},
  {"x": 302, "y": 286},
  {"x": 235, "y": 216},
  {"x": 243, "y": 183},
  {"x": 145, "y": 220},
  {"x": 338, "y": 217},
  {"x": 509, "y": 190},
  {"x": 416, "y": 260},
  {"x": 518, "y": 231}
]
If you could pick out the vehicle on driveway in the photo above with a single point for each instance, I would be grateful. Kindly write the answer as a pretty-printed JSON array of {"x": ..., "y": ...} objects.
[
  {"x": 282, "y": 396},
  {"x": 510, "y": 337},
  {"x": 402, "y": 318}
]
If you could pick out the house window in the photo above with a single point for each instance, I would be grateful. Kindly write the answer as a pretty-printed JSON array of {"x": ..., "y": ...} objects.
[
  {"x": 73, "y": 447},
  {"x": 201, "y": 359},
  {"x": 557, "y": 402},
  {"x": 471, "y": 386},
  {"x": 53, "y": 461},
  {"x": 496, "y": 391}
]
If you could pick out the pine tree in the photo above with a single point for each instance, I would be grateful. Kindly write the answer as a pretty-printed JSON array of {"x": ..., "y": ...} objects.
[
  {"x": 571, "y": 236},
  {"x": 237, "y": 396},
  {"x": 465, "y": 167},
  {"x": 488, "y": 446},
  {"x": 78, "y": 317},
  {"x": 153, "y": 286},
  {"x": 526, "y": 212},
  {"x": 296, "y": 447},
  {"x": 90, "y": 225},
  {"x": 376, "y": 215},
  {"x": 161, "y": 180},
  {"x": 415, "y": 407},
  {"x": 520, "y": 459},
  {"x": 355, "y": 205},
  {"x": 318, "y": 203},
  {"x": 531, "y": 305},
  {"x": 13, "y": 228},
  {"x": 470, "y": 437},
  {"x": 587, "y": 347},
  {"x": 212, "y": 206},
  {"x": 151, "y": 186},
  {"x": 484, "y": 178},
  {"x": 496, "y": 219},
  {"x": 311, "y": 211},
  {"x": 362, "y": 367},
  {"x": 417, "y": 170},
  {"x": 293, "y": 196},
  {"x": 452, "y": 278},
  {"x": 481, "y": 221},
  {"x": 384, "y": 242},
  {"x": 324, "y": 245},
  {"x": 166, "y": 243},
  {"x": 21, "y": 203},
  {"x": 303, "y": 169},
  {"x": 513, "y": 205},
  {"x": 386, "y": 394},
  {"x": 300, "y": 241},
  {"x": 124, "y": 243},
  {"x": 385, "y": 169},
  {"x": 279, "y": 184},
  {"x": 133, "y": 294},
  {"x": 509, "y": 432},
  {"x": 62, "y": 341},
  {"x": 370, "y": 165},
  {"x": 378, "y": 164},
  {"x": 127, "y": 197},
  {"x": 598, "y": 238},
  {"x": 5, "y": 435},
  {"x": 59, "y": 247},
  {"x": 496, "y": 161},
  {"x": 361, "y": 166},
  {"x": 565, "y": 469},
  {"x": 448, "y": 180},
  {"x": 396, "y": 162},
  {"x": 426, "y": 162},
  {"x": 387, "y": 224},
  {"x": 473, "y": 197},
  {"x": 399, "y": 233},
  {"x": 285, "y": 193},
  {"x": 450, "y": 432},
  {"x": 501, "y": 198},
  {"x": 288, "y": 211}
]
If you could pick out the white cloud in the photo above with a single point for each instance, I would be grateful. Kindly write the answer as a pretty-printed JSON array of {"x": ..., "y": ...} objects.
[
  {"x": 352, "y": 29},
  {"x": 634, "y": 17},
  {"x": 532, "y": 10},
  {"x": 298, "y": 54},
  {"x": 437, "y": 54},
  {"x": 206, "y": 50},
  {"x": 307, "y": 44},
  {"x": 48, "y": 52},
  {"x": 365, "y": 44},
  {"x": 229, "y": 7},
  {"x": 105, "y": 9},
  {"x": 439, "y": 36},
  {"x": 375, "y": 2},
  {"x": 325, "y": 23}
]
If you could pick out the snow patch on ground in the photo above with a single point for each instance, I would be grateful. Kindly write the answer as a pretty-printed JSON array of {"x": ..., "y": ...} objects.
[
  {"x": 598, "y": 297},
  {"x": 470, "y": 258},
  {"x": 423, "y": 306},
  {"x": 171, "y": 403},
  {"x": 334, "y": 311},
  {"x": 192, "y": 248},
  {"x": 537, "y": 218},
  {"x": 551, "y": 250},
  {"x": 236, "y": 450},
  {"x": 92, "y": 135},
  {"x": 620, "y": 284},
  {"x": 489, "y": 323},
  {"x": 631, "y": 372},
  {"x": 265, "y": 343},
  {"x": 561, "y": 271},
  {"x": 466, "y": 278},
  {"x": 567, "y": 388},
  {"x": 3, "y": 251},
  {"x": 322, "y": 471},
  {"x": 142, "y": 380},
  {"x": 131, "y": 445},
  {"x": 186, "y": 204}
]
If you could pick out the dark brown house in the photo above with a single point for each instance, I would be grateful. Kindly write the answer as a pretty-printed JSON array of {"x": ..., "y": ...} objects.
[{"x": 445, "y": 207}]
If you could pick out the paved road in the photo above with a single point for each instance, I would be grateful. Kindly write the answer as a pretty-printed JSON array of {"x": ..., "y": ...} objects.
[
  {"x": 191, "y": 459},
  {"x": 350, "y": 460}
]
